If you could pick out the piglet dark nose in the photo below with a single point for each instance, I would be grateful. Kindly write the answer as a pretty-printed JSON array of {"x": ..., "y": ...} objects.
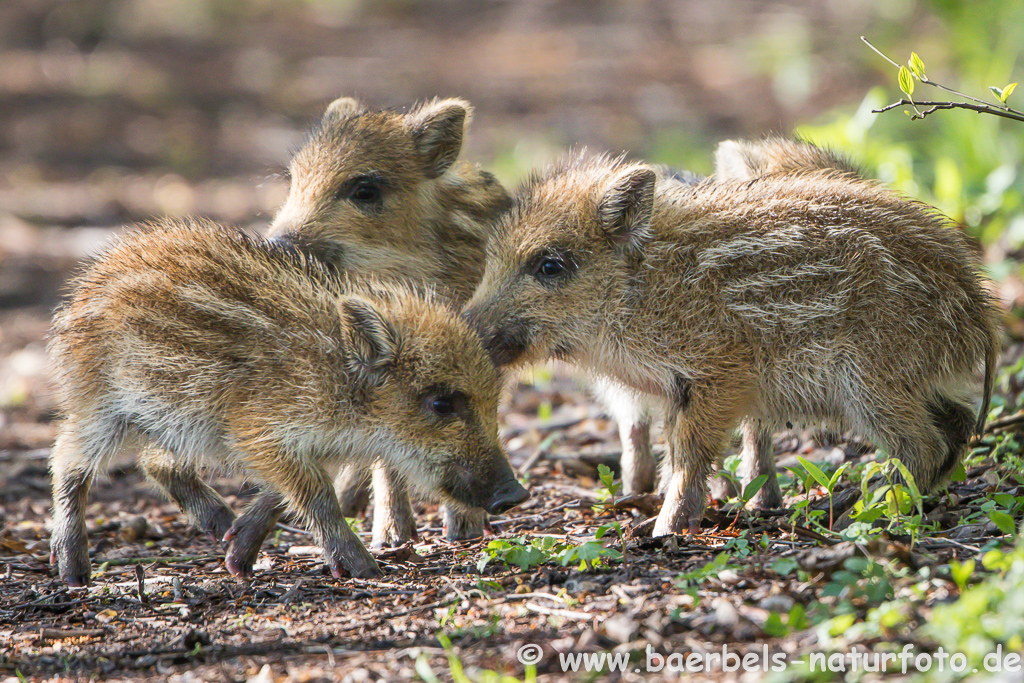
[{"x": 507, "y": 497}]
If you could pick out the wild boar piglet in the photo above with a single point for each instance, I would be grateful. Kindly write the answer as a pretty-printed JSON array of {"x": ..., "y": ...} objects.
[
  {"x": 377, "y": 193},
  {"x": 810, "y": 295},
  {"x": 226, "y": 350},
  {"x": 383, "y": 193}
]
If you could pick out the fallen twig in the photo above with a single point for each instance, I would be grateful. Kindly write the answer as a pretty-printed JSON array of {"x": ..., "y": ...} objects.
[
  {"x": 62, "y": 633},
  {"x": 568, "y": 614}
]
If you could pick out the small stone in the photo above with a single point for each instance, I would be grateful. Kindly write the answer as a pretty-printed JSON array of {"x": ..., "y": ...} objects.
[
  {"x": 836, "y": 456},
  {"x": 106, "y": 616},
  {"x": 728, "y": 577},
  {"x": 134, "y": 528},
  {"x": 357, "y": 676},
  {"x": 563, "y": 644},
  {"x": 621, "y": 628},
  {"x": 777, "y": 603},
  {"x": 725, "y": 614},
  {"x": 575, "y": 585},
  {"x": 683, "y": 602}
]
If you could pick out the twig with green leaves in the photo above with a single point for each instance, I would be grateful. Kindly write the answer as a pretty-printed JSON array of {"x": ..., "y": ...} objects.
[
  {"x": 922, "y": 108},
  {"x": 827, "y": 483},
  {"x": 608, "y": 479}
]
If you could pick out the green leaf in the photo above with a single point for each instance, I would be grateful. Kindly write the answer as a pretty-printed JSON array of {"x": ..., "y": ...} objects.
[
  {"x": 841, "y": 624},
  {"x": 836, "y": 475},
  {"x": 906, "y": 80},
  {"x": 994, "y": 560},
  {"x": 754, "y": 486},
  {"x": 797, "y": 618},
  {"x": 869, "y": 514},
  {"x": 915, "y": 493},
  {"x": 784, "y": 566},
  {"x": 1004, "y": 499},
  {"x": 961, "y": 572},
  {"x": 998, "y": 92},
  {"x": 814, "y": 471},
  {"x": 917, "y": 65},
  {"x": 1007, "y": 91},
  {"x": 607, "y": 478},
  {"x": 774, "y": 627},
  {"x": 1003, "y": 521}
]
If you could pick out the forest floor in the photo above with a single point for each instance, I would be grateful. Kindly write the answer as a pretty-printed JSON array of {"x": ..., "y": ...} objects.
[{"x": 162, "y": 606}]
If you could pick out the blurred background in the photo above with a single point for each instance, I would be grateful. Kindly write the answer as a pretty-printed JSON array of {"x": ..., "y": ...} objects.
[{"x": 115, "y": 111}]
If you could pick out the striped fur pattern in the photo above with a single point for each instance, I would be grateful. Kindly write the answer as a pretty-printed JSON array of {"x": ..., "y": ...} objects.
[
  {"x": 378, "y": 193},
  {"x": 228, "y": 351},
  {"x": 799, "y": 295},
  {"x": 383, "y": 193}
]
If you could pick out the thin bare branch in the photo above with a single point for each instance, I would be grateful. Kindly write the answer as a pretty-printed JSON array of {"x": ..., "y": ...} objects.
[
  {"x": 932, "y": 83},
  {"x": 1013, "y": 114},
  {"x": 879, "y": 52}
]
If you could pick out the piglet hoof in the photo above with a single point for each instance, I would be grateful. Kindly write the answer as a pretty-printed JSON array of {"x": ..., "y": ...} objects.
[
  {"x": 355, "y": 562},
  {"x": 77, "y": 581},
  {"x": 464, "y": 525},
  {"x": 75, "y": 571},
  {"x": 243, "y": 548},
  {"x": 218, "y": 523},
  {"x": 239, "y": 567},
  {"x": 674, "y": 520},
  {"x": 394, "y": 529},
  {"x": 240, "y": 559}
]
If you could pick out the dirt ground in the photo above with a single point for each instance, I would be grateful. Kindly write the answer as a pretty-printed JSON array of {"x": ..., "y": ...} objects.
[
  {"x": 114, "y": 112},
  {"x": 164, "y": 608}
]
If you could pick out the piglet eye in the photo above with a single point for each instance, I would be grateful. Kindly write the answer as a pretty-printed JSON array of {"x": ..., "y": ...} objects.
[
  {"x": 551, "y": 267},
  {"x": 364, "y": 191},
  {"x": 442, "y": 405},
  {"x": 446, "y": 404}
]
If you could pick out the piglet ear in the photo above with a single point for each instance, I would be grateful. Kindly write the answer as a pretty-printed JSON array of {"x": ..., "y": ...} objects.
[
  {"x": 373, "y": 342},
  {"x": 437, "y": 128},
  {"x": 734, "y": 161},
  {"x": 343, "y": 107},
  {"x": 625, "y": 208}
]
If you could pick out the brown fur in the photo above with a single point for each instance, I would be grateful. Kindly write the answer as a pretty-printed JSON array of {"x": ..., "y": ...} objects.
[
  {"x": 433, "y": 215},
  {"x": 631, "y": 412},
  {"x": 746, "y": 160},
  {"x": 174, "y": 338},
  {"x": 749, "y": 159},
  {"x": 811, "y": 294},
  {"x": 734, "y": 160},
  {"x": 430, "y": 223}
]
